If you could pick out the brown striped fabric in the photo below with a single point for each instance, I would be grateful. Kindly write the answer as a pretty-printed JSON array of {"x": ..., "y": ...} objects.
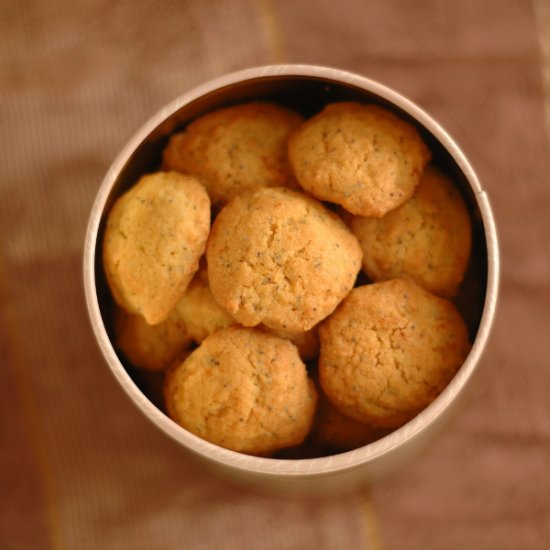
[{"x": 80, "y": 468}]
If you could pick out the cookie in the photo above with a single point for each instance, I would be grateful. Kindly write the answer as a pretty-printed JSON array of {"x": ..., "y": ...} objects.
[
  {"x": 150, "y": 347},
  {"x": 280, "y": 258},
  {"x": 199, "y": 310},
  {"x": 362, "y": 157},
  {"x": 235, "y": 149},
  {"x": 428, "y": 238},
  {"x": 155, "y": 234},
  {"x": 244, "y": 390},
  {"x": 389, "y": 350}
]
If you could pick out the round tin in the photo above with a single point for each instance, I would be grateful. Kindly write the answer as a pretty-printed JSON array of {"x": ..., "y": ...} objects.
[{"x": 305, "y": 88}]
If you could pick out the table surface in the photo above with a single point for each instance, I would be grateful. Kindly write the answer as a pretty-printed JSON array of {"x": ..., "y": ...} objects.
[{"x": 80, "y": 467}]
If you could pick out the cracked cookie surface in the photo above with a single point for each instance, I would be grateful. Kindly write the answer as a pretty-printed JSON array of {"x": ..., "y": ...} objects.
[
  {"x": 428, "y": 238},
  {"x": 388, "y": 350},
  {"x": 280, "y": 258},
  {"x": 244, "y": 390},
  {"x": 362, "y": 157},
  {"x": 155, "y": 235},
  {"x": 236, "y": 149}
]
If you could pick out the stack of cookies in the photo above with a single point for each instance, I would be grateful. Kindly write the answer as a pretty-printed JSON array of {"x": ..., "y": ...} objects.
[{"x": 292, "y": 280}]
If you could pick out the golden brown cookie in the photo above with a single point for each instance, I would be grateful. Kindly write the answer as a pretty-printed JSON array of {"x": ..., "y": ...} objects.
[
  {"x": 427, "y": 238},
  {"x": 362, "y": 157},
  {"x": 156, "y": 232},
  {"x": 199, "y": 310},
  {"x": 236, "y": 149},
  {"x": 388, "y": 350},
  {"x": 280, "y": 258},
  {"x": 244, "y": 390},
  {"x": 151, "y": 347}
]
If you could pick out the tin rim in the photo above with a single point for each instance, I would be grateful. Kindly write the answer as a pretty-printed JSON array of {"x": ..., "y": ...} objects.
[{"x": 310, "y": 467}]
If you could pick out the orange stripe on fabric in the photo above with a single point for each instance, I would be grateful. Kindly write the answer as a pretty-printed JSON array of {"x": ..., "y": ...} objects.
[
  {"x": 271, "y": 30},
  {"x": 370, "y": 523},
  {"x": 10, "y": 328}
]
